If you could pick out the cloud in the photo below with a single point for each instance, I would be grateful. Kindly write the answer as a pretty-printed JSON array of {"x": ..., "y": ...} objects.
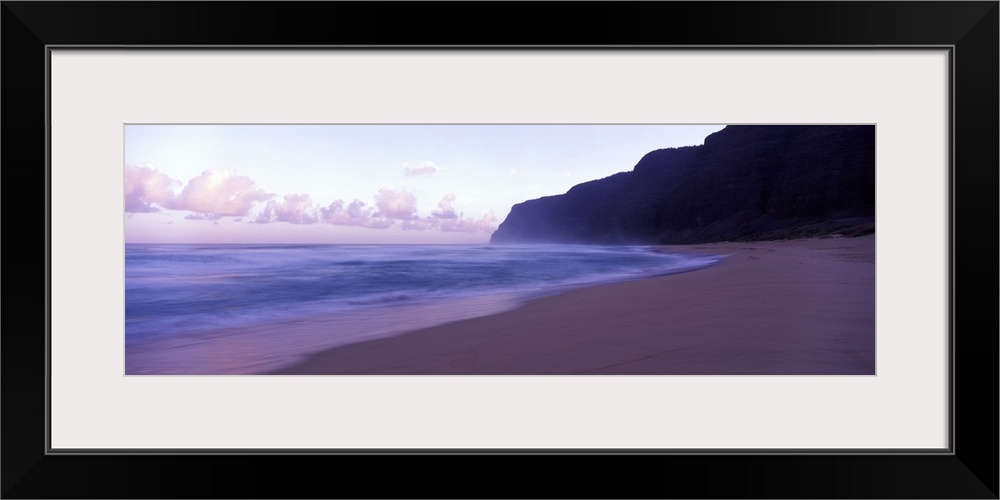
[
  {"x": 296, "y": 209},
  {"x": 223, "y": 193},
  {"x": 265, "y": 216},
  {"x": 219, "y": 193},
  {"x": 445, "y": 211},
  {"x": 146, "y": 187},
  {"x": 357, "y": 209},
  {"x": 377, "y": 223},
  {"x": 355, "y": 214},
  {"x": 336, "y": 214},
  {"x": 419, "y": 224},
  {"x": 445, "y": 219},
  {"x": 395, "y": 204},
  {"x": 426, "y": 169},
  {"x": 213, "y": 218},
  {"x": 487, "y": 223}
]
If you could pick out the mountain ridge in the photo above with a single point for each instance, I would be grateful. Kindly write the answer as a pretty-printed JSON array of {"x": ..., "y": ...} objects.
[{"x": 746, "y": 182}]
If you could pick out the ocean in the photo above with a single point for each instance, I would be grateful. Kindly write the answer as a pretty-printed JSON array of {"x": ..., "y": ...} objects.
[{"x": 241, "y": 309}]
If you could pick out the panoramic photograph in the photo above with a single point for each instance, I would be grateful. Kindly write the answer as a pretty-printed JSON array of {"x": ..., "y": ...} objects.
[{"x": 474, "y": 249}]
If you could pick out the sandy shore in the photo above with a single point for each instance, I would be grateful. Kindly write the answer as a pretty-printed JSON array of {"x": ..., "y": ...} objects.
[{"x": 784, "y": 307}]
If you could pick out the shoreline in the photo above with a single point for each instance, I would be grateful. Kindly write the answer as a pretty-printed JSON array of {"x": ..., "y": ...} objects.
[
  {"x": 771, "y": 307},
  {"x": 256, "y": 347}
]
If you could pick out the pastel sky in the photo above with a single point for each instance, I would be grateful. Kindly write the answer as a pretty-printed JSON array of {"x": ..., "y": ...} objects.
[{"x": 362, "y": 183}]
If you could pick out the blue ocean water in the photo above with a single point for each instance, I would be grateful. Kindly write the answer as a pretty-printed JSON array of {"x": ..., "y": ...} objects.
[{"x": 242, "y": 308}]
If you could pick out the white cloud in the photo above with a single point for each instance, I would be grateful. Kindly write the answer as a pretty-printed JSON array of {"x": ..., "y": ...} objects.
[
  {"x": 223, "y": 193},
  {"x": 457, "y": 224},
  {"x": 487, "y": 223},
  {"x": 213, "y": 218},
  {"x": 296, "y": 209},
  {"x": 419, "y": 224},
  {"x": 395, "y": 204},
  {"x": 355, "y": 214},
  {"x": 445, "y": 211},
  {"x": 426, "y": 169},
  {"x": 219, "y": 193},
  {"x": 147, "y": 189}
]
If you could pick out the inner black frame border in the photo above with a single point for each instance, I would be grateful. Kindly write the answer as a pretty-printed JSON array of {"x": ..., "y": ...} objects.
[{"x": 969, "y": 30}]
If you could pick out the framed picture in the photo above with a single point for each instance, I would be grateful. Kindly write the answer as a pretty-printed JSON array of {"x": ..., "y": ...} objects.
[{"x": 96, "y": 388}]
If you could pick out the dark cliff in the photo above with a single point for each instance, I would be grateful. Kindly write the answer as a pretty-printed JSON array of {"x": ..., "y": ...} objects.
[{"x": 747, "y": 182}]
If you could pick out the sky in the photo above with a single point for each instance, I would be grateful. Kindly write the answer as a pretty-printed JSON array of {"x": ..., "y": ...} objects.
[{"x": 382, "y": 184}]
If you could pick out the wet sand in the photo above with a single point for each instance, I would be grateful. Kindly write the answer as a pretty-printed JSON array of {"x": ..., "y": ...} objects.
[{"x": 770, "y": 308}]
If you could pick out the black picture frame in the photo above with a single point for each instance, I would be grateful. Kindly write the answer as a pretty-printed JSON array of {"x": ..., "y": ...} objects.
[{"x": 969, "y": 470}]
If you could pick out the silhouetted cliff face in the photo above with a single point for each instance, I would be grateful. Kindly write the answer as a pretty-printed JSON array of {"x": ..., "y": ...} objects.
[{"x": 746, "y": 182}]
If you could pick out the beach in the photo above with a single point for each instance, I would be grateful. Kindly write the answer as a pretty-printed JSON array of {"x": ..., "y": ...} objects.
[{"x": 796, "y": 307}]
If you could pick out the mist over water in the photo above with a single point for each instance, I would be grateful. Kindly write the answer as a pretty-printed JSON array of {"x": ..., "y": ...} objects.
[{"x": 243, "y": 308}]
